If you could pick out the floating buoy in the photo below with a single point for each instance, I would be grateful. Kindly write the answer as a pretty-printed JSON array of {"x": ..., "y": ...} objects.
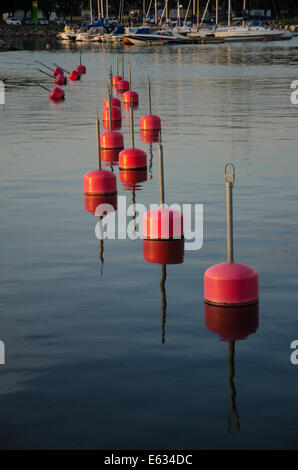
[
  {"x": 150, "y": 122},
  {"x": 122, "y": 85},
  {"x": 132, "y": 158},
  {"x": 230, "y": 283},
  {"x": 81, "y": 69},
  {"x": 74, "y": 76},
  {"x": 57, "y": 71},
  {"x": 163, "y": 229},
  {"x": 100, "y": 182},
  {"x": 116, "y": 103},
  {"x": 130, "y": 96},
  {"x": 115, "y": 114},
  {"x": 232, "y": 323},
  {"x": 111, "y": 142},
  {"x": 60, "y": 80},
  {"x": 117, "y": 77},
  {"x": 57, "y": 94}
]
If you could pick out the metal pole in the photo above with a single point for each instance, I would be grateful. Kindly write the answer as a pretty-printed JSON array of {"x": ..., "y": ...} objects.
[
  {"x": 229, "y": 13},
  {"x": 122, "y": 68},
  {"x": 110, "y": 107},
  {"x": 149, "y": 96},
  {"x": 129, "y": 75},
  {"x": 91, "y": 13},
  {"x": 98, "y": 11},
  {"x": 155, "y": 12},
  {"x": 101, "y": 4},
  {"x": 216, "y": 12},
  {"x": 80, "y": 58},
  {"x": 98, "y": 142},
  {"x": 132, "y": 140},
  {"x": 198, "y": 13},
  {"x": 107, "y": 8},
  {"x": 116, "y": 65},
  {"x": 229, "y": 183},
  {"x": 161, "y": 173}
]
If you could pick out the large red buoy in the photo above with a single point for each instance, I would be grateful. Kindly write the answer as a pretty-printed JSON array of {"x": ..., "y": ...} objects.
[
  {"x": 81, "y": 69},
  {"x": 60, "y": 80},
  {"x": 163, "y": 229},
  {"x": 57, "y": 71},
  {"x": 230, "y": 283},
  {"x": 232, "y": 323},
  {"x": 100, "y": 182},
  {"x": 74, "y": 76},
  {"x": 132, "y": 158},
  {"x": 150, "y": 122},
  {"x": 57, "y": 94}
]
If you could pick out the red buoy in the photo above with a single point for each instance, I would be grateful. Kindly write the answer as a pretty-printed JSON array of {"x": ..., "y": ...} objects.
[
  {"x": 163, "y": 229},
  {"x": 150, "y": 136},
  {"x": 150, "y": 122},
  {"x": 230, "y": 283},
  {"x": 122, "y": 85},
  {"x": 109, "y": 157},
  {"x": 81, "y": 69},
  {"x": 100, "y": 182},
  {"x": 74, "y": 76},
  {"x": 101, "y": 205},
  {"x": 57, "y": 94},
  {"x": 132, "y": 159},
  {"x": 130, "y": 97},
  {"x": 111, "y": 140},
  {"x": 115, "y": 102},
  {"x": 115, "y": 80},
  {"x": 57, "y": 71},
  {"x": 60, "y": 80},
  {"x": 232, "y": 323},
  {"x": 115, "y": 114}
]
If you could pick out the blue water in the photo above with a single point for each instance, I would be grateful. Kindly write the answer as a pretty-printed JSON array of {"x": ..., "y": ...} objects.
[{"x": 85, "y": 366}]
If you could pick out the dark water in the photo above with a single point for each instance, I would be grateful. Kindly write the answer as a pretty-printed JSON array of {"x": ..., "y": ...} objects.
[{"x": 85, "y": 365}]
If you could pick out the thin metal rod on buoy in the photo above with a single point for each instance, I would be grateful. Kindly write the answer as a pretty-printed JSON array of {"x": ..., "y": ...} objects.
[
  {"x": 110, "y": 107},
  {"x": 122, "y": 68},
  {"x": 98, "y": 142},
  {"x": 161, "y": 172},
  {"x": 132, "y": 137},
  {"x": 64, "y": 70},
  {"x": 149, "y": 96},
  {"x": 44, "y": 65},
  {"x": 129, "y": 75},
  {"x": 229, "y": 183},
  {"x": 45, "y": 88},
  {"x": 116, "y": 65},
  {"x": 42, "y": 71},
  {"x": 80, "y": 58},
  {"x": 111, "y": 78}
]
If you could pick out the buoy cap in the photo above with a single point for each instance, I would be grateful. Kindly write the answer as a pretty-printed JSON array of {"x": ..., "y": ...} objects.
[
  {"x": 150, "y": 122},
  {"x": 130, "y": 97},
  {"x": 111, "y": 140},
  {"x": 132, "y": 158},
  {"x": 81, "y": 69},
  {"x": 231, "y": 284},
  {"x": 162, "y": 224},
  {"x": 74, "y": 75},
  {"x": 122, "y": 85},
  {"x": 98, "y": 182},
  {"x": 57, "y": 94}
]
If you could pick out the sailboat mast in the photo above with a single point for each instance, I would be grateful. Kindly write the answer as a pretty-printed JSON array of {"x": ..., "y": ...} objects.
[
  {"x": 91, "y": 13},
  {"x": 216, "y": 12},
  {"x": 155, "y": 11},
  {"x": 229, "y": 13}
]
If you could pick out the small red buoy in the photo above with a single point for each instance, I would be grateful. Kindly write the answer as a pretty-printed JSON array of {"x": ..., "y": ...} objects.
[
  {"x": 150, "y": 122},
  {"x": 132, "y": 159},
  {"x": 111, "y": 140},
  {"x": 122, "y": 85},
  {"x": 130, "y": 97},
  {"x": 57, "y": 94},
  {"x": 74, "y": 76},
  {"x": 115, "y": 102},
  {"x": 232, "y": 323},
  {"x": 230, "y": 283},
  {"x": 99, "y": 205},
  {"x": 115, "y": 114},
  {"x": 60, "y": 80},
  {"x": 100, "y": 182},
  {"x": 57, "y": 71},
  {"x": 115, "y": 80},
  {"x": 81, "y": 69},
  {"x": 150, "y": 136}
]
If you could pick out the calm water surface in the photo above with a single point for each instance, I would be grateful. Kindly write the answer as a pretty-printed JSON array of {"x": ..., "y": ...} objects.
[{"x": 85, "y": 365}]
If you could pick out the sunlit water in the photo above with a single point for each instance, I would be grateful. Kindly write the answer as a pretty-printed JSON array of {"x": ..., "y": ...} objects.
[{"x": 85, "y": 365}]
